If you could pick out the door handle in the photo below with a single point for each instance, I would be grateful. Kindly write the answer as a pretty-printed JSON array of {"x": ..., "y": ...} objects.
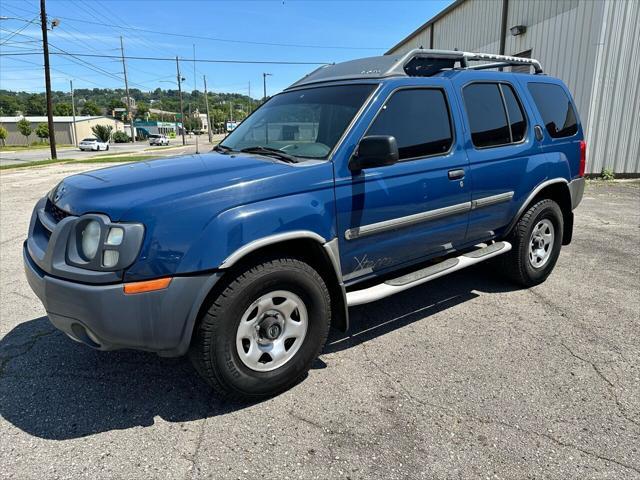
[
  {"x": 538, "y": 130},
  {"x": 456, "y": 174}
]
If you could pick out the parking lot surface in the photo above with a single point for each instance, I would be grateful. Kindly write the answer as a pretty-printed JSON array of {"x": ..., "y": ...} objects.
[{"x": 465, "y": 377}]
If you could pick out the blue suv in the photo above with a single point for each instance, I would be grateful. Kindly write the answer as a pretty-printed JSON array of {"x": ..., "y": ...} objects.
[{"x": 361, "y": 180}]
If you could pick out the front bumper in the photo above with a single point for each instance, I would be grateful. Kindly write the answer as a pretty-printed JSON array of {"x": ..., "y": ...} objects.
[{"x": 103, "y": 317}]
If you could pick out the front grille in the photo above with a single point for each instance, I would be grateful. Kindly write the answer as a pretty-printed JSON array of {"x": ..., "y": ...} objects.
[{"x": 56, "y": 213}]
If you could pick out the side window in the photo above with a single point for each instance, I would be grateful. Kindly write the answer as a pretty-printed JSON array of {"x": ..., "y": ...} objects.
[
  {"x": 418, "y": 119},
  {"x": 487, "y": 117},
  {"x": 556, "y": 109},
  {"x": 517, "y": 122}
]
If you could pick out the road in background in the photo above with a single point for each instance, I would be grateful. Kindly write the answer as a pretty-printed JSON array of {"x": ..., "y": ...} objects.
[
  {"x": 464, "y": 377},
  {"x": 17, "y": 157}
]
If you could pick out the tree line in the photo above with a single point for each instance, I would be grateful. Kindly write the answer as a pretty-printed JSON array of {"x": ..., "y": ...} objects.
[{"x": 103, "y": 101}]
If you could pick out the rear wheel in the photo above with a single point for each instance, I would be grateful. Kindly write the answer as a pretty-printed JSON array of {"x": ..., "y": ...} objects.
[
  {"x": 536, "y": 241},
  {"x": 263, "y": 332}
]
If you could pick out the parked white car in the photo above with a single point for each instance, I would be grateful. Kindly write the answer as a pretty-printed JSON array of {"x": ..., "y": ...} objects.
[
  {"x": 92, "y": 143},
  {"x": 158, "y": 140}
]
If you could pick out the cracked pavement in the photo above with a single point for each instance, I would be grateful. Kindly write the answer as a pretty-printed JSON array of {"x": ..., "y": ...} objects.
[{"x": 465, "y": 377}]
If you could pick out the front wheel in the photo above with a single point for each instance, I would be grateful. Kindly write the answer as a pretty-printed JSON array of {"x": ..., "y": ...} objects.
[
  {"x": 263, "y": 332},
  {"x": 536, "y": 241}
]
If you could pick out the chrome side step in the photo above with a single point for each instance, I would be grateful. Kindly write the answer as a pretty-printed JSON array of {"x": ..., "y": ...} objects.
[{"x": 410, "y": 280}]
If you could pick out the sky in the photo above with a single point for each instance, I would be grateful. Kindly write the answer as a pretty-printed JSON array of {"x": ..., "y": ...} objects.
[{"x": 282, "y": 31}]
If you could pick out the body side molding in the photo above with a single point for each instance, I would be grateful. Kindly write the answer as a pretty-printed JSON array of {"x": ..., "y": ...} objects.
[{"x": 427, "y": 216}]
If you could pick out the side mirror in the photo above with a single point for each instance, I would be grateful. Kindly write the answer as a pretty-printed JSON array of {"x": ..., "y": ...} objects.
[{"x": 374, "y": 151}]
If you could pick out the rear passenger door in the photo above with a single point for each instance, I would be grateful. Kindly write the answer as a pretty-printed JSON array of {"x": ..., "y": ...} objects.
[
  {"x": 503, "y": 154},
  {"x": 397, "y": 214}
]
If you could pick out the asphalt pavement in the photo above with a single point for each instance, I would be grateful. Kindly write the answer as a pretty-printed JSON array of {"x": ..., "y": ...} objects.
[{"x": 465, "y": 377}]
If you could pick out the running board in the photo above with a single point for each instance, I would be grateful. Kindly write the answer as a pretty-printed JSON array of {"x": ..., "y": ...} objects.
[{"x": 410, "y": 280}]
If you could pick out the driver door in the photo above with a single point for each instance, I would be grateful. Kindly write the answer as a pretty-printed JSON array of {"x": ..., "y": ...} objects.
[{"x": 395, "y": 215}]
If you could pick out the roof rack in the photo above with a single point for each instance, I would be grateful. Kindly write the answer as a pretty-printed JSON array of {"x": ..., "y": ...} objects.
[{"x": 419, "y": 62}]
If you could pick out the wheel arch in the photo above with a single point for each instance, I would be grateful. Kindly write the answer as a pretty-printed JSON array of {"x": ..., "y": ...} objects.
[
  {"x": 309, "y": 247},
  {"x": 556, "y": 189}
]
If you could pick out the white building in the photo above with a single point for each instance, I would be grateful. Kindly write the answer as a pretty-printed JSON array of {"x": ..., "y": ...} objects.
[{"x": 590, "y": 44}]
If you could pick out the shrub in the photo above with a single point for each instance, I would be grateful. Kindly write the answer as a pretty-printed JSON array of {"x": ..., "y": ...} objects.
[
  {"x": 42, "y": 131},
  {"x": 121, "y": 137},
  {"x": 3, "y": 135},
  {"x": 607, "y": 174},
  {"x": 102, "y": 132},
  {"x": 24, "y": 127}
]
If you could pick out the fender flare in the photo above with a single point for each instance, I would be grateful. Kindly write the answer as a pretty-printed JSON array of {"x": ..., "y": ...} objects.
[
  {"x": 530, "y": 198},
  {"x": 330, "y": 247}
]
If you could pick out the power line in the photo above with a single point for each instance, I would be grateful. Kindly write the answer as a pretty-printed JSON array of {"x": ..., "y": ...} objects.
[
  {"x": 167, "y": 59},
  {"x": 226, "y": 40},
  {"x": 17, "y": 32}
]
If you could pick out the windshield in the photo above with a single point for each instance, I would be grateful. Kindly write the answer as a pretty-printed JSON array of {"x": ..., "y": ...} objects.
[
  {"x": 154, "y": 136},
  {"x": 89, "y": 140},
  {"x": 304, "y": 123}
]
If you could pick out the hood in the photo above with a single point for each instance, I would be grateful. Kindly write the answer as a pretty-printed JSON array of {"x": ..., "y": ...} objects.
[{"x": 211, "y": 179}]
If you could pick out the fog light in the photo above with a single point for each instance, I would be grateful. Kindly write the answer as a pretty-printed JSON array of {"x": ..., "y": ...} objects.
[
  {"x": 110, "y": 258},
  {"x": 116, "y": 234}
]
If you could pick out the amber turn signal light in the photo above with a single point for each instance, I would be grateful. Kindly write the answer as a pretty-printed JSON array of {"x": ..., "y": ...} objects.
[{"x": 146, "y": 286}]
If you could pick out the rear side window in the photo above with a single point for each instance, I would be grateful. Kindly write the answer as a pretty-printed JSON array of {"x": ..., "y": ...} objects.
[
  {"x": 418, "y": 119},
  {"x": 556, "y": 109},
  {"x": 495, "y": 114},
  {"x": 517, "y": 121}
]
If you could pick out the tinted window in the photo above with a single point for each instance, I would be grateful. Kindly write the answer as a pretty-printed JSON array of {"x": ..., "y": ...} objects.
[
  {"x": 516, "y": 117},
  {"x": 555, "y": 107},
  {"x": 419, "y": 119},
  {"x": 487, "y": 117}
]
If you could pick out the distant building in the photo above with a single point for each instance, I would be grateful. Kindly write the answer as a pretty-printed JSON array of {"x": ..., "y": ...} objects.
[
  {"x": 590, "y": 45},
  {"x": 62, "y": 126},
  {"x": 157, "y": 127}
]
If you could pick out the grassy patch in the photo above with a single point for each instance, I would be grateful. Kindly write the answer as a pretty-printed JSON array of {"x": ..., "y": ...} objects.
[{"x": 39, "y": 146}]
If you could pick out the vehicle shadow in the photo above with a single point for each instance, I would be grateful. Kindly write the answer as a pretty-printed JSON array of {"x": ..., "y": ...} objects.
[{"x": 54, "y": 388}]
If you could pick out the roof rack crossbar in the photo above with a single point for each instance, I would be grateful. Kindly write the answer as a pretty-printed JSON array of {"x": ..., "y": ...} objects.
[{"x": 463, "y": 58}]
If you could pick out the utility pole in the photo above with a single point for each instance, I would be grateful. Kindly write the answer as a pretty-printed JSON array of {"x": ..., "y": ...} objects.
[
  {"x": 126, "y": 91},
  {"x": 184, "y": 142},
  {"x": 47, "y": 80},
  {"x": 264, "y": 83},
  {"x": 206, "y": 102},
  {"x": 73, "y": 110},
  {"x": 230, "y": 111},
  {"x": 195, "y": 89}
]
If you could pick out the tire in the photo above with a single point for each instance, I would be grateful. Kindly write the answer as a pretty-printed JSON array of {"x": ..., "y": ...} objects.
[
  {"x": 219, "y": 337},
  {"x": 532, "y": 259},
  {"x": 107, "y": 148}
]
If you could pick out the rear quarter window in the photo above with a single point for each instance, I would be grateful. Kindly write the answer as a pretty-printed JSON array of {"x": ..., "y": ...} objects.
[{"x": 556, "y": 109}]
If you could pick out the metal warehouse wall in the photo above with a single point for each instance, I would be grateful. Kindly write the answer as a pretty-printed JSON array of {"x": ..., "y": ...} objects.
[
  {"x": 473, "y": 25},
  {"x": 568, "y": 37},
  {"x": 613, "y": 133}
]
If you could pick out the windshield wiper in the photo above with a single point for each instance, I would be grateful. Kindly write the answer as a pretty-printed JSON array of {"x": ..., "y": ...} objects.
[
  {"x": 222, "y": 148},
  {"x": 273, "y": 152}
]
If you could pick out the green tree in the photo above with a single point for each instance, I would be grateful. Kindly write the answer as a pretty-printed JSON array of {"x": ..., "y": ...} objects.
[
  {"x": 42, "y": 131},
  {"x": 113, "y": 104},
  {"x": 63, "y": 109},
  {"x": 9, "y": 105},
  {"x": 142, "y": 110},
  {"x": 3, "y": 135},
  {"x": 36, "y": 105},
  {"x": 24, "y": 127},
  {"x": 90, "y": 108},
  {"x": 102, "y": 132}
]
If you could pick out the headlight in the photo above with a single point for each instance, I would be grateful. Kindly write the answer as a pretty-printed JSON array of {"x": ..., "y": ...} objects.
[
  {"x": 96, "y": 243},
  {"x": 91, "y": 239}
]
